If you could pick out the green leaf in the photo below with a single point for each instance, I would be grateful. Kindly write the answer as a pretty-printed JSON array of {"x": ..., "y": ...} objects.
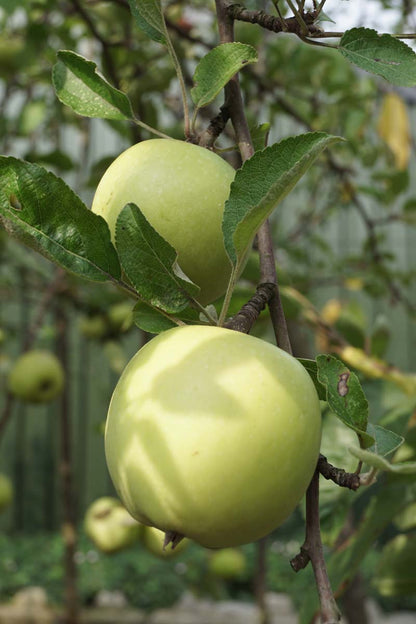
[
  {"x": 312, "y": 368},
  {"x": 217, "y": 67},
  {"x": 151, "y": 320},
  {"x": 149, "y": 18},
  {"x": 383, "y": 55},
  {"x": 262, "y": 182},
  {"x": 386, "y": 441},
  {"x": 345, "y": 396},
  {"x": 150, "y": 263},
  {"x": 78, "y": 85},
  {"x": 259, "y": 135},
  {"x": 40, "y": 210},
  {"x": 154, "y": 321},
  {"x": 378, "y": 462}
]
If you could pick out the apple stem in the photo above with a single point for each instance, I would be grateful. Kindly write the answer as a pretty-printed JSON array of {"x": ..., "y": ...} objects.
[
  {"x": 246, "y": 317},
  {"x": 216, "y": 126},
  {"x": 350, "y": 480}
]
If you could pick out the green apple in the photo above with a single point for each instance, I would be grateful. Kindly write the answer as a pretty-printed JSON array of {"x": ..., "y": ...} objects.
[
  {"x": 181, "y": 189},
  {"x": 153, "y": 540},
  {"x": 212, "y": 434},
  {"x": 228, "y": 563},
  {"x": 120, "y": 316},
  {"x": 36, "y": 376},
  {"x": 94, "y": 327},
  {"x": 6, "y": 492},
  {"x": 110, "y": 526}
]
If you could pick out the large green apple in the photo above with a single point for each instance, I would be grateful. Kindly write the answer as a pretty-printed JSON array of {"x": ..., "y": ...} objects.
[
  {"x": 212, "y": 434},
  {"x": 6, "y": 492},
  {"x": 110, "y": 526},
  {"x": 36, "y": 376},
  {"x": 153, "y": 540},
  {"x": 228, "y": 563},
  {"x": 181, "y": 189}
]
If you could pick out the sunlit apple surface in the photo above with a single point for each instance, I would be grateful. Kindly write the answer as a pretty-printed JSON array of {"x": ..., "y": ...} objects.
[{"x": 212, "y": 434}]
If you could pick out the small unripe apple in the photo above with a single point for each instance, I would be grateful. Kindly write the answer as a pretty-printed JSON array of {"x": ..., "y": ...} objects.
[
  {"x": 181, "y": 189},
  {"x": 37, "y": 376},
  {"x": 110, "y": 526},
  {"x": 153, "y": 540},
  {"x": 228, "y": 563},
  {"x": 6, "y": 492},
  {"x": 120, "y": 316},
  {"x": 212, "y": 434},
  {"x": 94, "y": 327}
]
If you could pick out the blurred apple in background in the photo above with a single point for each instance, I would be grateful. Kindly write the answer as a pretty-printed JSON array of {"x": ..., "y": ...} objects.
[
  {"x": 110, "y": 526},
  {"x": 37, "y": 376}
]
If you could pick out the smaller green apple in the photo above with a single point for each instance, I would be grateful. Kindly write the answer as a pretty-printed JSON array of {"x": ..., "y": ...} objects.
[
  {"x": 153, "y": 540},
  {"x": 37, "y": 376},
  {"x": 6, "y": 492},
  {"x": 110, "y": 526},
  {"x": 120, "y": 316},
  {"x": 228, "y": 563},
  {"x": 94, "y": 327}
]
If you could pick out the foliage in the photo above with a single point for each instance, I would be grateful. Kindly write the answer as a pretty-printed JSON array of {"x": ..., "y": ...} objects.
[{"x": 336, "y": 233}]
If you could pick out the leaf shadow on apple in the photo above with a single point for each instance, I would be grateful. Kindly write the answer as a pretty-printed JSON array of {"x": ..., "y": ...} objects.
[{"x": 209, "y": 429}]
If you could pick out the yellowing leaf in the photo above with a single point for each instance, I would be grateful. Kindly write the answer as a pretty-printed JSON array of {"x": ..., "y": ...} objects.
[{"x": 394, "y": 128}]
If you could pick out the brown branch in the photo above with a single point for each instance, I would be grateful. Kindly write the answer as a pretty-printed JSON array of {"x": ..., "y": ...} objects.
[
  {"x": 350, "y": 480},
  {"x": 312, "y": 551},
  {"x": 6, "y": 414},
  {"x": 244, "y": 320},
  {"x": 270, "y": 22},
  {"x": 68, "y": 525},
  {"x": 265, "y": 244},
  {"x": 260, "y": 581},
  {"x": 217, "y": 125},
  {"x": 108, "y": 59}
]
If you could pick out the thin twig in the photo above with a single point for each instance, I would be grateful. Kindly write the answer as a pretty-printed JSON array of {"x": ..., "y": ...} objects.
[
  {"x": 241, "y": 129},
  {"x": 247, "y": 316},
  {"x": 108, "y": 59},
  {"x": 215, "y": 128},
  {"x": 68, "y": 525},
  {"x": 271, "y": 22},
  {"x": 350, "y": 480},
  {"x": 312, "y": 551}
]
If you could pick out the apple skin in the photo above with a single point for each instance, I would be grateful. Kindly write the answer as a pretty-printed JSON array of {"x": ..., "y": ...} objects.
[
  {"x": 110, "y": 526},
  {"x": 6, "y": 492},
  {"x": 228, "y": 563},
  {"x": 181, "y": 189},
  {"x": 37, "y": 376},
  {"x": 153, "y": 540},
  {"x": 212, "y": 434}
]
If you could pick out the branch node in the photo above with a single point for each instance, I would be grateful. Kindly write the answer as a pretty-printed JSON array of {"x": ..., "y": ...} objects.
[
  {"x": 215, "y": 128},
  {"x": 244, "y": 320},
  {"x": 350, "y": 480}
]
